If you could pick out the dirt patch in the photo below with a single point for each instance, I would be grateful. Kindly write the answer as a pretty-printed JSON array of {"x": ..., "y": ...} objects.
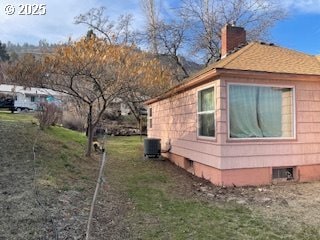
[
  {"x": 110, "y": 219},
  {"x": 297, "y": 203}
]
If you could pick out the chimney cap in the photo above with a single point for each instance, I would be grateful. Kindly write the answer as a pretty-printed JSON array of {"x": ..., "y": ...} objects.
[{"x": 233, "y": 23}]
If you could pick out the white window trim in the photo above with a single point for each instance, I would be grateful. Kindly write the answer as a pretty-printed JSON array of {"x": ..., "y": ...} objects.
[
  {"x": 150, "y": 117},
  {"x": 214, "y": 111},
  {"x": 294, "y": 137}
]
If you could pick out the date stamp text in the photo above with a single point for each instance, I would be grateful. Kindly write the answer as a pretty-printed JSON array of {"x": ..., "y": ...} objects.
[{"x": 26, "y": 9}]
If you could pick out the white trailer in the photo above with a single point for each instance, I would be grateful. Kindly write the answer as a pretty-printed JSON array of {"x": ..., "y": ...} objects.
[{"x": 28, "y": 98}]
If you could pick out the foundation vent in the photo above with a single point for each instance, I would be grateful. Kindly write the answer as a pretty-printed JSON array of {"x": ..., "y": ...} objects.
[
  {"x": 284, "y": 174},
  {"x": 189, "y": 165}
]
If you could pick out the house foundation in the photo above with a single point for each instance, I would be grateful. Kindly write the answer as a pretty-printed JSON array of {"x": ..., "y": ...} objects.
[{"x": 243, "y": 176}]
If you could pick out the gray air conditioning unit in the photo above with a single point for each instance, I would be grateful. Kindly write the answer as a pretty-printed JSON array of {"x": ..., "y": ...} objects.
[{"x": 152, "y": 147}]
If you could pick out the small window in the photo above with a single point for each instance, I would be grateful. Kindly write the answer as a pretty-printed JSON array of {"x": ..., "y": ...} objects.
[
  {"x": 206, "y": 113},
  {"x": 33, "y": 98},
  {"x": 150, "y": 117}
]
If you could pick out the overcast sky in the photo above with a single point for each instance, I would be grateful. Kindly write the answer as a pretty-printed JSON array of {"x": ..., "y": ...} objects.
[{"x": 301, "y": 31}]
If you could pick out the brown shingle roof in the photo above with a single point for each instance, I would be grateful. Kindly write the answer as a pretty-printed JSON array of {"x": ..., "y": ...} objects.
[
  {"x": 270, "y": 58},
  {"x": 257, "y": 57}
]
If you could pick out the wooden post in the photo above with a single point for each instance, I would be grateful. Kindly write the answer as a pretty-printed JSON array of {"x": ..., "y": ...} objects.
[
  {"x": 90, "y": 132},
  {"x": 99, "y": 181},
  {"x": 140, "y": 127}
]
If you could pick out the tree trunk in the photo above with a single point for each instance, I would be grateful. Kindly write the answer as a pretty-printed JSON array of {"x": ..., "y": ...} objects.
[{"x": 90, "y": 133}]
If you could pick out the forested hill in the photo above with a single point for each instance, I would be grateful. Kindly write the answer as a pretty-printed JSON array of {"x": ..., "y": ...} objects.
[
  {"x": 16, "y": 50},
  {"x": 20, "y": 49}
]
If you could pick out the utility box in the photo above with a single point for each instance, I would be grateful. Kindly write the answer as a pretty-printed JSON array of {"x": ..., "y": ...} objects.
[{"x": 152, "y": 147}]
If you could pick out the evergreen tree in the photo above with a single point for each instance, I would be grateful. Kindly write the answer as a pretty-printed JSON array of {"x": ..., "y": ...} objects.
[
  {"x": 90, "y": 34},
  {"x": 4, "y": 56}
]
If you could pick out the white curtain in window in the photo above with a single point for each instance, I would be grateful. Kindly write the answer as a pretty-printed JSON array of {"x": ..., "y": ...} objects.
[
  {"x": 255, "y": 111},
  {"x": 243, "y": 112},
  {"x": 270, "y": 111}
]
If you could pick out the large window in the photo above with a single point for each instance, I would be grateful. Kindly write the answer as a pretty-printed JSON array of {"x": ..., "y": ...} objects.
[
  {"x": 260, "y": 112},
  {"x": 206, "y": 113}
]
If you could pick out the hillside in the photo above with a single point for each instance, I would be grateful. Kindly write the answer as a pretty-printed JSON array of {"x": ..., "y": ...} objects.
[
  {"x": 30, "y": 48},
  {"x": 44, "y": 47}
]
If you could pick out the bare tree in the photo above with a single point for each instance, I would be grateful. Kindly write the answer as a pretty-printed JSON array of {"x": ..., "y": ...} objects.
[
  {"x": 157, "y": 81},
  {"x": 194, "y": 33},
  {"x": 205, "y": 37},
  {"x": 100, "y": 24},
  {"x": 207, "y": 17},
  {"x": 166, "y": 37},
  {"x": 94, "y": 73},
  {"x": 172, "y": 38},
  {"x": 152, "y": 15},
  {"x": 119, "y": 32}
]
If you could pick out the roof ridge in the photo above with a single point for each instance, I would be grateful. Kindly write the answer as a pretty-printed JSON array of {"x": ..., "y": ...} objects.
[
  {"x": 294, "y": 50},
  {"x": 317, "y": 57},
  {"x": 228, "y": 59}
]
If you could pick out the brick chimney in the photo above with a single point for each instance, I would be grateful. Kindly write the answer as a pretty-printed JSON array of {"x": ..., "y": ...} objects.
[{"x": 231, "y": 37}]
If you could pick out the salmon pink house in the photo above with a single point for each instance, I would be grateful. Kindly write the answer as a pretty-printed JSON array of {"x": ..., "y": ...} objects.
[{"x": 251, "y": 118}]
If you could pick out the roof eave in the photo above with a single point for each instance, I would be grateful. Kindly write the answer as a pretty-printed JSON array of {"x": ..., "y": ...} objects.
[
  {"x": 216, "y": 72},
  {"x": 269, "y": 75},
  {"x": 195, "y": 81}
]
